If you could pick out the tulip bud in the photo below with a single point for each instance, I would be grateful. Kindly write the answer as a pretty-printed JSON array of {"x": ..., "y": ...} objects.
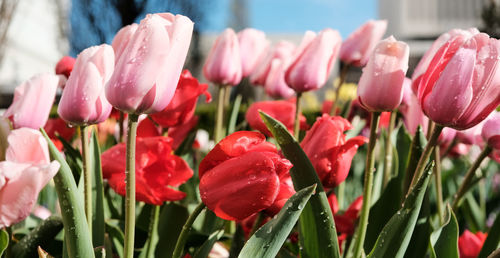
[
  {"x": 122, "y": 38},
  {"x": 147, "y": 72},
  {"x": 491, "y": 130},
  {"x": 83, "y": 101},
  {"x": 358, "y": 47},
  {"x": 253, "y": 47},
  {"x": 380, "y": 87},
  {"x": 283, "y": 50},
  {"x": 32, "y": 102},
  {"x": 311, "y": 67},
  {"x": 65, "y": 66},
  {"x": 223, "y": 64},
  {"x": 470, "y": 244}
]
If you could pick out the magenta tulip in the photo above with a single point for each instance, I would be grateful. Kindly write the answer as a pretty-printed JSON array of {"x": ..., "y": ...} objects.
[
  {"x": 223, "y": 64},
  {"x": 32, "y": 102},
  {"x": 253, "y": 47},
  {"x": 83, "y": 101},
  {"x": 146, "y": 74},
  {"x": 24, "y": 173},
  {"x": 358, "y": 47},
  {"x": 381, "y": 84},
  {"x": 491, "y": 130},
  {"x": 311, "y": 67},
  {"x": 122, "y": 38},
  {"x": 461, "y": 87}
]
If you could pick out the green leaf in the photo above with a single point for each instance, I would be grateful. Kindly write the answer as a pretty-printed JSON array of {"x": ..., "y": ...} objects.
[
  {"x": 403, "y": 146},
  {"x": 416, "y": 148},
  {"x": 473, "y": 214},
  {"x": 234, "y": 115},
  {"x": 116, "y": 236},
  {"x": 98, "y": 225},
  {"x": 267, "y": 241},
  {"x": 444, "y": 241},
  {"x": 42, "y": 235},
  {"x": 172, "y": 218},
  {"x": 492, "y": 242},
  {"x": 396, "y": 235},
  {"x": 205, "y": 249},
  {"x": 420, "y": 237},
  {"x": 79, "y": 243},
  {"x": 317, "y": 228},
  {"x": 4, "y": 241}
]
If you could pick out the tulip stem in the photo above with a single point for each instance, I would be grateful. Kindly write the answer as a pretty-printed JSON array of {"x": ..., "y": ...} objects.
[
  {"x": 439, "y": 185},
  {"x": 120, "y": 127},
  {"x": 467, "y": 183},
  {"x": 219, "y": 118},
  {"x": 425, "y": 155},
  {"x": 341, "y": 195},
  {"x": 153, "y": 232},
  {"x": 298, "y": 111},
  {"x": 343, "y": 76},
  {"x": 128, "y": 251},
  {"x": 181, "y": 241},
  {"x": 368, "y": 186},
  {"x": 87, "y": 175},
  {"x": 388, "y": 150}
]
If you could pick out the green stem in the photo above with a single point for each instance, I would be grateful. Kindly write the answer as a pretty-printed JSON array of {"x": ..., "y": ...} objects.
[
  {"x": 425, "y": 155},
  {"x": 256, "y": 223},
  {"x": 153, "y": 231},
  {"x": 341, "y": 195},
  {"x": 8, "y": 251},
  {"x": 128, "y": 249},
  {"x": 439, "y": 185},
  {"x": 343, "y": 76},
  {"x": 466, "y": 184},
  {"x": 388, "y": 150},
  {"x": 298, "y": 111},
  {"x": 181, "y": 241},
  {"x": 87, "y": 175},
  {"x": 219, "y": 117},
  {"x": 368, "y": 186},
  {"x": 120, "y": 126}
]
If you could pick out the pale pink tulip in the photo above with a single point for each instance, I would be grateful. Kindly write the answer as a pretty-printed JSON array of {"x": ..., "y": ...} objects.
[
  {"x": 380, "y": 87},
  {"x": 223, "y": 64},
  {"x": 313, "y": 64},
  {"x": 23, "y": 175},
  {"x": 282, "y": 50},
  {"x": 32, "y": 102},
  {"x": 358, "y": 47},
  {"x": 275, "y": 85},
  {"x": 147, "y": 72},
  {"x": 411, "y": 110},
  {"x": 491, "y": 130},
  {"x": 83, "y": 101},
  {"x": 253, "y": 47},
  {"x": 121, "y": 39}
]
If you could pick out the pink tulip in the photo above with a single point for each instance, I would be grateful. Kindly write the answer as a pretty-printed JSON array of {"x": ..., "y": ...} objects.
[
  {"x": 282, "y": 50},
  {"x": 438, "y": 43},
  {"x": 253, "y": 47},
  {"x": 380, "y": 87},
  {"x": 491, "y": 131},
  {"x": 461, "y": 87},
  {"x": 83, "y": 101},
  {"x": 32, "y": 102},
  {"x": 146, "y": 74},
  {"x": 275, "y": 84},
  {"x": 358, "y": 47},
  {"x": 122, "y": 38},
  {"x": 313, "y": 64},
  {"x": 411, "y": 110},
  {"x": 23, "y": 175},
  {"x": 223, "y": 65}
]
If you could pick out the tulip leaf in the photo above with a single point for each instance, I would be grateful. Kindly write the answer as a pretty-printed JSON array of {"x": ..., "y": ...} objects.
[
  {"x": 444, "y": 240},
  {"x": 420, "y": 237},
  {"x": 492, "y": 242},
  {"x": 42, "y": 235},
  {"x": 267, "y": 240},
  {"x": 116, "y": 236},
  {"x": 4, "y": 241},
  {"x": 172, "y": 217},
  {"x": 318, "y": 236},
  {"x": 416, "y": 148},
  {"x": 98, "y": 225},
  {"x": 205, "y": 249},
  {"x": 79, "y": 243},
  {"x": 396, "y": 234},
  {"x": 234, "y": 115}
]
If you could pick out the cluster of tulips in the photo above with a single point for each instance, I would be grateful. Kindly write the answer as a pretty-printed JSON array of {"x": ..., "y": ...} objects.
[{"x": 159, "y": 188}]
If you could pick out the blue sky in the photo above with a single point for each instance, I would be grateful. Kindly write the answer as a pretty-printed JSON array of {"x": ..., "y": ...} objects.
[{"x": 297, "y": 16}]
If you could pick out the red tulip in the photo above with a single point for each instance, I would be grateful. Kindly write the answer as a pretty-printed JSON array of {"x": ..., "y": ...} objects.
[
  {"x": 179, "y": 133},
  {"x": 346, "y": 221},
  {"x": 358, "y": 47},
  {"x": 65, "y": 66},
  {"x": 461, "y": 87},
  {"x": 60, "y": 127},
  {"x": 380, "y": 87},
  {"x": 181, "y": 108},
  {"x": 241, "y": 176},
  {"x": 469, "y": 244},
  {"x": 330, "y": 153},
  {"x": 156, "y": 169},
  {"x": 282, "y": 110},
  {"x": 223, "y": 64}
]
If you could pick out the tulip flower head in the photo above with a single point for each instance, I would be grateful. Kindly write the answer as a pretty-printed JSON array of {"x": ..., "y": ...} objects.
[
  {"x": 461, "y": 87},
  {"x": 83, "y": 101},
  {"x": 65, "y": 66},
  {"x": 283, "y": 50},
  {"x": 147, "y": 72},
  {"x": 122, "y": 38},
  {"x": 491, "y": 130},
  {"x": 358, "y": 47},
  {"x": 380, "y": 87},
  {"x": 253, "y": 47},
  {"x": 470, "y": 244}
]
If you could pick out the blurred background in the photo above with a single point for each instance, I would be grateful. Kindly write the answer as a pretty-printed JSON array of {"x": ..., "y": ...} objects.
[{"x": 35, "y": 34}]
